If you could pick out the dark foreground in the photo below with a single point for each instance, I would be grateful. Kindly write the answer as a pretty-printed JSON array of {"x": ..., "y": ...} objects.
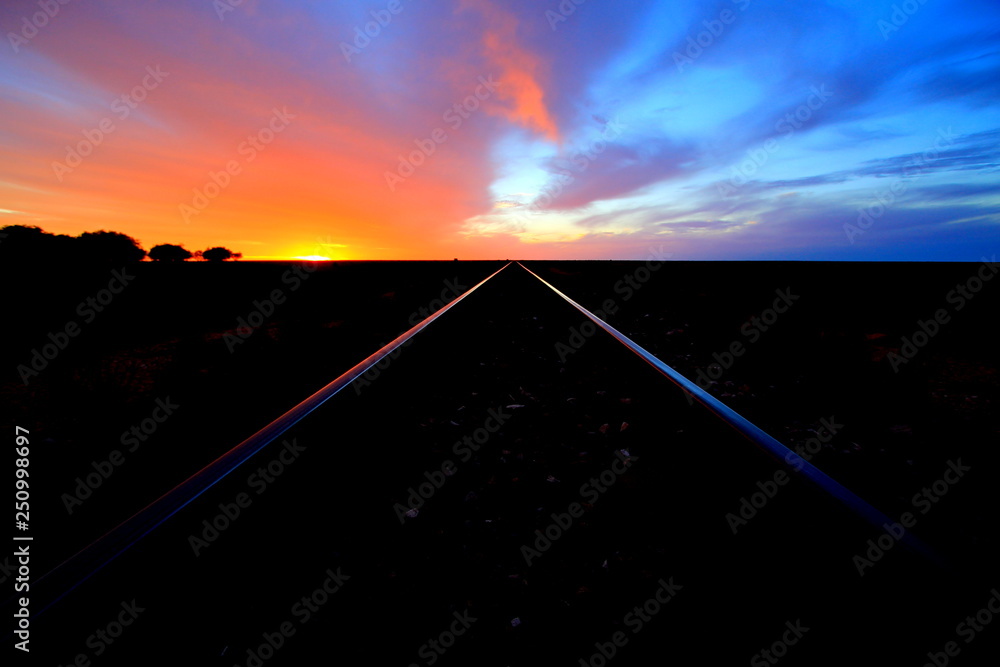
[{"x": 572, "y": 505}]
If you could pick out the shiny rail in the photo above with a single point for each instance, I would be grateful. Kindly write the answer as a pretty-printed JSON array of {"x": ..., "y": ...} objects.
[
  {"x": 781, "y": 453},
  {"x": 78, "y": 568}
]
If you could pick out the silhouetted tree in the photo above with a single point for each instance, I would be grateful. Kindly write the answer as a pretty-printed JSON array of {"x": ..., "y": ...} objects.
[
  {"x": 19, "y": 242},
  {"x": 27, "y": 244},
  {"x": 218, "y": 254},
  {"x": 18, "y": 239},
  {"x": 168, "y": 252},
  {"x": 15, "y": 232},
  {"x": 113, "y": 248}
]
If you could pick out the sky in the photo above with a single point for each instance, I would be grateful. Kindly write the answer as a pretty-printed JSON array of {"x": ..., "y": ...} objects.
[{"x": 530, "y": 129}]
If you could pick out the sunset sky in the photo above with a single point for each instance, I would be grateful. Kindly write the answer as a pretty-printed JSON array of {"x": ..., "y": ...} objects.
[{"x": 484, "y": 129}]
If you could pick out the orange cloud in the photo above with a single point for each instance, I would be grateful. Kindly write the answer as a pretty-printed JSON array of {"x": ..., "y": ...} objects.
[
  {"x": 520, "y": 71},
  {"x": 320, "y": 181}
]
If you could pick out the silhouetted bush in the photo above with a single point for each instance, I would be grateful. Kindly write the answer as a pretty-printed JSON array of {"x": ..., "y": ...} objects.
[
  {"x": 219, "y": 254},
  {"x": 168, "y": 252},
  {"x": 112, "y": 248}
]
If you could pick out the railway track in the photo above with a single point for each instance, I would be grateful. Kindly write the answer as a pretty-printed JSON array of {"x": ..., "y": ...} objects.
[{"x": 479, "y": 476}]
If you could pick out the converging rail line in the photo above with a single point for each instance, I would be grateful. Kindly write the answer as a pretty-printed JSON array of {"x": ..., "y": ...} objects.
[{"x": 87, "y": 562}]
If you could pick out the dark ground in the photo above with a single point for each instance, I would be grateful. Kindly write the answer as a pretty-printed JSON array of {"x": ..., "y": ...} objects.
[{"x": 826, "y": 358}]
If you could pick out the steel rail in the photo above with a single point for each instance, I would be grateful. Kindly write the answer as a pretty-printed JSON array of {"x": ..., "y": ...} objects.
[
  {"x": 785, "y": 456},
  {"x": 102, "y": 551}
]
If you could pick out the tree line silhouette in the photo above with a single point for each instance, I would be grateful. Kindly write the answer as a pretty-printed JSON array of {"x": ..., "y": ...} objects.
[{"x": 31, "y": 244}]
